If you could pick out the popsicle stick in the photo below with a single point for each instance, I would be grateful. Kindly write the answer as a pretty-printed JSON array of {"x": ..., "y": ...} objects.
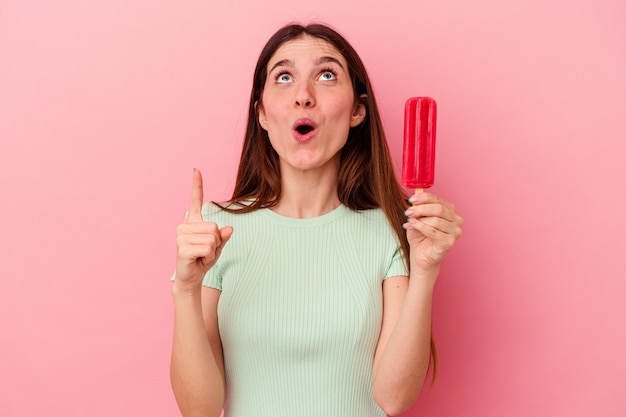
[{"x": 419, "y": 190}]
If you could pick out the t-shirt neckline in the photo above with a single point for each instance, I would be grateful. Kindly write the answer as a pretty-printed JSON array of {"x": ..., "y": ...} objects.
[{"x": 331, "y": 216}]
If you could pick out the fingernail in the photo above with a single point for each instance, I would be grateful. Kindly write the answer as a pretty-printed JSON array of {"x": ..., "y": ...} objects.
[
  {"x": 413, "y": 199},
  {"x": 408, "y": 212}
]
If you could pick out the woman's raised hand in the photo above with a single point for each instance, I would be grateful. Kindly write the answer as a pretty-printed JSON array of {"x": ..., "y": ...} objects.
[
  {"x": 432, "y": 229},
  {"x": 199, "y": 243}
]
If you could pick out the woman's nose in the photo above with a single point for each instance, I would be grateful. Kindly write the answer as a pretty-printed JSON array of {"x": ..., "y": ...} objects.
[{"x": 304, "y": 97}]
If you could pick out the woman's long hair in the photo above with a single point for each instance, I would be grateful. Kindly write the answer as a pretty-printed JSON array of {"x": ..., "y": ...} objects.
[{"x": 366, "y": 177}]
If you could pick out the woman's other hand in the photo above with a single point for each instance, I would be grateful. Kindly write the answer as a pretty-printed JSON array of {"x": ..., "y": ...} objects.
[
  {"x": 432, "y": 229},
  {"x": 199, "y": 243}
]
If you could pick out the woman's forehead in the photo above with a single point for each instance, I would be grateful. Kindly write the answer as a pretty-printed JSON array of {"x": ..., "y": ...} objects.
[{"x": 305, "y": 47}]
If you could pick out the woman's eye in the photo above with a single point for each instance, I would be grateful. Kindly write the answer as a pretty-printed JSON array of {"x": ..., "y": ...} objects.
[
  {"x": 328, "y": 76},
  {"x": 283, "y": 78}
]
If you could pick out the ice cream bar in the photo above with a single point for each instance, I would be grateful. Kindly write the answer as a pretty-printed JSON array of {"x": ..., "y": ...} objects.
[{"x": 420, "y": 128}]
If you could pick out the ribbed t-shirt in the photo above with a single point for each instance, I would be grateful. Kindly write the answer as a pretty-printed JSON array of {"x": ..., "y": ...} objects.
[{"x": 301, "y": 310}]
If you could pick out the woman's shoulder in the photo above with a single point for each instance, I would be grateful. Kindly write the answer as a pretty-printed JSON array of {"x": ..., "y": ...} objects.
[
  {"x": 375, "y": 215},
  {"x": 226, "y": 212},
  {"x": 370, "y": 221}
]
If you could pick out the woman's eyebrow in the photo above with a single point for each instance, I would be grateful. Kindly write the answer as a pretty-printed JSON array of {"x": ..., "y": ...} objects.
[
  {"x": 329, "y": 59},
  {"x": 282, "y": 63},
  {"x": 319, "y": 61}
]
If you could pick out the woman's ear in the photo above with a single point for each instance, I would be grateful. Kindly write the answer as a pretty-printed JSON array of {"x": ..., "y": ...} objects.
[
  {"x": 359, "y": 112},
  {"x": 260, "y": 115}
]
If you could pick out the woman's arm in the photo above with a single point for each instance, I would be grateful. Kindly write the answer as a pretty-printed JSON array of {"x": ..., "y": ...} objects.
[
  {"x": 197, "y": 365},
  {"x": 403, "y": 351}
]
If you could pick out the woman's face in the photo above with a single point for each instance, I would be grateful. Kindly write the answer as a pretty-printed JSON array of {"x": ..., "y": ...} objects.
[{"x": 308, "y": 104}]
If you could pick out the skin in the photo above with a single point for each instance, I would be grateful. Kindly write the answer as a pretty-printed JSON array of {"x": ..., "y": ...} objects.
[
  {"x": 197, "y": 364},
  {"x": 308, "y": 79},
  {"x": 298, "y": 86},
  {"x": 403, "y": 352}
]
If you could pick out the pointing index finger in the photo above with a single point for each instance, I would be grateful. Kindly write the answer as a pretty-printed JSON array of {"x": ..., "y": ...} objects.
[{"x": 197, "y": 195}]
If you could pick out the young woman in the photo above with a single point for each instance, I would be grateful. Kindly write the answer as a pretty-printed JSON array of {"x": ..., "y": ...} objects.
[{"x": 309, "y": 292}]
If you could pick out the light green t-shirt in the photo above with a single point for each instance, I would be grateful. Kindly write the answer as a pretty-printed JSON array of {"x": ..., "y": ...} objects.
[{"x": 301, "y": 310}]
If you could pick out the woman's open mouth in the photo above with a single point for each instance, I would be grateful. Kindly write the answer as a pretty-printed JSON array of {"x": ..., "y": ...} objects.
[{"x": 304, "y": 130}]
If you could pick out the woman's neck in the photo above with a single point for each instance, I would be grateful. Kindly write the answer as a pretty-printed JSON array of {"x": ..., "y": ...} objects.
[{"x": 307, "y": 194}]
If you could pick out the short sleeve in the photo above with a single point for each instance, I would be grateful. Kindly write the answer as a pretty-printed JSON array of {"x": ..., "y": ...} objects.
[
  {"x": 397, "y": 265},
  {"x": 213, "y": 278}
]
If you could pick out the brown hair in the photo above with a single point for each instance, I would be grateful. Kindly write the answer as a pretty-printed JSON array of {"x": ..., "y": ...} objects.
[{"x": 366, "y": 177}]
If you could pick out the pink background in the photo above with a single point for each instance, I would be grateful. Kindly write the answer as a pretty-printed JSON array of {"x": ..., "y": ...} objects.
[{"x": 105, "y": 108}]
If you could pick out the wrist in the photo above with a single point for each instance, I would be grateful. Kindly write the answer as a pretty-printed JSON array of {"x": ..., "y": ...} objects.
[
  {"x": 425, "y": 275},
  {"x": 186, "y": 291}
]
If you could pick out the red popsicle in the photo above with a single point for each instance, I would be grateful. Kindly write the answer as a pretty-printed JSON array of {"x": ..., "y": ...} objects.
[{"x": 420, "y": 128}]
